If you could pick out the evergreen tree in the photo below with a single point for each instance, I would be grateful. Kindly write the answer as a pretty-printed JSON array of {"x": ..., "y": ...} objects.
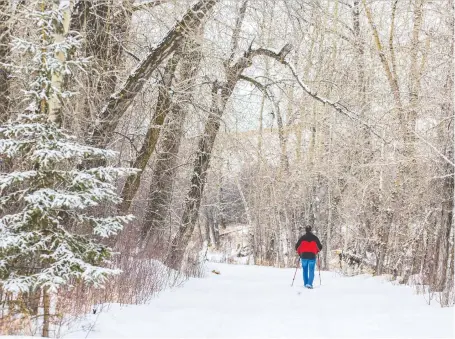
[{"x": 50, "y": 232}]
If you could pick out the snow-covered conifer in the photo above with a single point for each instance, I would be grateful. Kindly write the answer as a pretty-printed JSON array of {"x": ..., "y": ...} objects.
[{"x": 49, "y": 231}]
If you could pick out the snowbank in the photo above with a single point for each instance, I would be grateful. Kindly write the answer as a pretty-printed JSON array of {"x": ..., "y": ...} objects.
[{"x": 258, "y": 302}]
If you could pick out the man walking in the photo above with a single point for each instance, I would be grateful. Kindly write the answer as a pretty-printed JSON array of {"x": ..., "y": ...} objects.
[{"x": 307, "y": 247}]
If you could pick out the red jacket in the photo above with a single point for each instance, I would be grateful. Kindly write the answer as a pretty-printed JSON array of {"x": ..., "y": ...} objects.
[{"x": 308, "y": 246}]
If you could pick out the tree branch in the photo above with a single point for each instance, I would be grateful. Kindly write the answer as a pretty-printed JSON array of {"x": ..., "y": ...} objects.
[
  {"x": 276, "y": 108},
  {"x": 131, "y": 54},
  {"x": 438, "y": 152},
  {"x": 148, "y": 4},
  {"x": 391, "y": 35},
  {"x": 121, "y": 100},
  {"x": 280, "y": 57},
  {"x": 238, "y": 26}
]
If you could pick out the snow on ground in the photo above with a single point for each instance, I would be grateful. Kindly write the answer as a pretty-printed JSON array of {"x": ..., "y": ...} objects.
[{"x": 258, "y": 302}]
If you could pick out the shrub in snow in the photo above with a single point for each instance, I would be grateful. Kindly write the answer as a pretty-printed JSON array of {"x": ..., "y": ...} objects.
[{"x": 49, "y": 235}]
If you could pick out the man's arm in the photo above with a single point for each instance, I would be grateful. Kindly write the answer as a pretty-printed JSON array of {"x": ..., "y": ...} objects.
[
  {"x": 298, "y": 243},
  {"x": 319, "y": 244}
]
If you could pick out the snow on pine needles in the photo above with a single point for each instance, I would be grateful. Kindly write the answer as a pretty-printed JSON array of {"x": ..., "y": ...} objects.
[{"x": 52, "y": 204}]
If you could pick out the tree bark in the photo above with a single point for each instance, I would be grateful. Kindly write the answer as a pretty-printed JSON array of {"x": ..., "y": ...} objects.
[
  {"x": 415, "y": 76},
  {"x": 359, "y": 42},
  {"x": 105, "y": 36},
  {"x": 4, "y": 55},
  {"x": 448, "y": 190},
  {"x": 201, "y": 164},
  {"x": 121, "y": 100},
  {"x": 164, "y": 166},
  {"x": 55, "y": 105},
  {"x": 149, "y": 4},
  {"x": 221, "y": 93},
  {"x": 393, "y": 81},
  {"x": 163, "y": 106},
  {"x": 46, "y": 312}
]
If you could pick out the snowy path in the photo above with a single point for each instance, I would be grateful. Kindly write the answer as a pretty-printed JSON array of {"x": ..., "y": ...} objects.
[{"x": 252, "y": 301}]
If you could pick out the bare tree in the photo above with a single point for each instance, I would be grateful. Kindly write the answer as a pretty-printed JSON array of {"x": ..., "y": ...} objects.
[
  {"x": 165, "y": 163},
  {"x": 119, "y": 101},
  {"x": 221, "y": 92},
  {"x": 106, "y": 26},
  {"x": 162, "y": 108}
]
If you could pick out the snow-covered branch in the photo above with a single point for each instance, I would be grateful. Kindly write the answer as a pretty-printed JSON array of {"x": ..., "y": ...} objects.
[
  {"x": 121, "y": 100},
  {"x": 281, "y": 58}
]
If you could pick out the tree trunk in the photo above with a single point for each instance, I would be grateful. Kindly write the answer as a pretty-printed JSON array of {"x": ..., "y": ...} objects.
[
  {"x": 105, "y": 29},
  {"x": 207, "y": 229},
  {"x": 201, "y": 164},
  {"x": 46, "y": 312},
  {"x": 163, "y": 107},
  {"x": 164, "y": 166},
  {"x": 121, "y": 100},
  {"x": 366, "y": 152},
  {"x": 391, "y": 77},
  {"x": 55, "y": 105},
  {"x": 384, "y": 240},
  {"x": 284, "y": 160},
  {"x": 414, "y": 82},
  {"x": 4, "y": 55},
  {"x": 448, "y": 137}
]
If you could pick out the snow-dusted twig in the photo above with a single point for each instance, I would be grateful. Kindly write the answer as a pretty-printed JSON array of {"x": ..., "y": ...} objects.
[{"x": 281, "y": 58}]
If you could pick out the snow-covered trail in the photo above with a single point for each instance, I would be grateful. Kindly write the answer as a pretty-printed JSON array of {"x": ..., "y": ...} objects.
[{"x": 252, "y": 301}]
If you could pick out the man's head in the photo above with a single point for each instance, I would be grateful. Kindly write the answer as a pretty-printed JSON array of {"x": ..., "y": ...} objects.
[{"x": 307, "y": 229}]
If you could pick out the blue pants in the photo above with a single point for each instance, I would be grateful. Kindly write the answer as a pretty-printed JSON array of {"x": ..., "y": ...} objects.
[{"x": 308, "y": 271}]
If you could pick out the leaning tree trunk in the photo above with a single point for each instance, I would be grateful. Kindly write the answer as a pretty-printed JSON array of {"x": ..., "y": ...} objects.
[
  {"x": 121, "y": 100},
  {"x": 221, "y": 92},
  {"x": 163, "y": 107},
  {"x": 164, "y": 166},
  {"x": 4, "y": 54},
  {"x": 201, "y": 165}
]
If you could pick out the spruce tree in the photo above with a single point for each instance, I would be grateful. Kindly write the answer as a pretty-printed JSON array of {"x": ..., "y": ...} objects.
[{"x": 51, "y": 206}]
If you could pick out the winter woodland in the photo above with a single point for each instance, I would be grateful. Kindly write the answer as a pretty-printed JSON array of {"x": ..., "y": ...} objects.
[{"x": 137, "y": 136}]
